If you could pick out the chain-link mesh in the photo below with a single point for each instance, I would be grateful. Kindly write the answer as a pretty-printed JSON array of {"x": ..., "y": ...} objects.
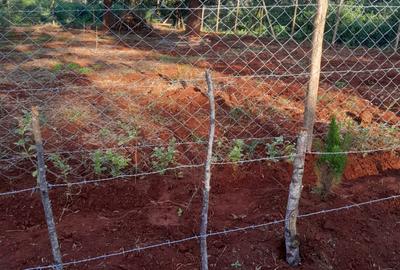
[{"x": 121, "y": 91}]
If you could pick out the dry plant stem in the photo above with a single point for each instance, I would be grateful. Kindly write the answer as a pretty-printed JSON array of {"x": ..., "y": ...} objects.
[
  {"x": 292, "y": 211},
  {"x": 317, "y": 46},
  {"x": 207, "y": 176},
  {"x": 44, "y": 192}
]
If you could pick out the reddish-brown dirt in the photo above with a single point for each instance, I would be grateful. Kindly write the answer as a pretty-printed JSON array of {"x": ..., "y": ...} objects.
[
  {"x": 96, "y": 220},
  {"x": 165, "y": 96}
]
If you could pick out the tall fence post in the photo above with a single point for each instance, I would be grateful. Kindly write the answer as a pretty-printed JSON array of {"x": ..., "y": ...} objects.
[
  {"x": 207, "y": 176},
  {"x": 337, "y": 21},
  {"x": 292, "y": 242},
  {"x": 312, "y": 93},
  {"x": 44, "y": 191}
]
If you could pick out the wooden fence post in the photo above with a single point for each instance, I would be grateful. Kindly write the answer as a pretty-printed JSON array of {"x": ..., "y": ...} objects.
[
  {"x": 337, "y": 21},
  {"x": 292, "y": 242},
  {"x": 271, "y": 27},
  {"x": 207, "y": 176},
  {"x": 396, "y": 45},
  {"x": 44, "y": 192},
  {"x": 202, "y": 18},
  {"x": 218, "y": 15},
  {"x": 312, "y": 93},
  {"x": 237, "y": 15},
  {"x": 296, "y": 5}
]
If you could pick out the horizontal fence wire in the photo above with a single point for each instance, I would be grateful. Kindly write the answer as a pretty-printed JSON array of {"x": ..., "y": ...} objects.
[
  {"x": 123, "y": 177},
  {"x": 218, "y": 233}
]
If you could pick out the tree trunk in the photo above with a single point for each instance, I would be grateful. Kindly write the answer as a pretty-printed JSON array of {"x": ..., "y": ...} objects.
[
  {"x": 107, "y": 16},
  {"x": 193, "y": 21}
]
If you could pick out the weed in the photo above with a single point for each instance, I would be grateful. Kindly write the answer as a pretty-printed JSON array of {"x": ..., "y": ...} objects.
[
  {"x": 179, "y": 212},
  {"x": 236, "y": 152},
  {"x": 61, "y": 164},
  {"x": 109, "y": 161},
  {"x": 330, "y": 166},
  {"x": 164, "y": 157},
  {"x": 236, "y": 265},
  {"x": 251, "y": 147},
  {"x": 130, "y": 133},
  {"x": 58, "y": 67},
  {"x": 236, "y": 113},
  {"x": 72, "y": 67},
  {"x": 24, "y": 133},
  {"x": 340, "y": 84},
  {"x": 74, "y": 115},
  {"x": 279, "y": 147}
]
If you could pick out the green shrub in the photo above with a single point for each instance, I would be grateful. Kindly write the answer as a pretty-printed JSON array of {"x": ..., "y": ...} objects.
[
  {"x": 109, "y": 161},
  {"x": 330, "y": 166}
]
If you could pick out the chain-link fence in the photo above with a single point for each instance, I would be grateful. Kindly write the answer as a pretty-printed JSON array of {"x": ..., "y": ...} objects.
[{"x": 121, "y": 91}]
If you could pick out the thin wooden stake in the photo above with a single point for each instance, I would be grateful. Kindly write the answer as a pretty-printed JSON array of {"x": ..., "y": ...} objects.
[
  {"x": 44, "y": 192},
  {"x": 202, "y": 18},
  {"x": 337, "y": 21},
  {"x": 237, "y": 15},
  {"x": 396, "y": 45},
  {"x": 271, "y": 27},
  {"x": 207, "y": 176},
  {"x": 292, "y": 242},
  {"x": 296, "y": 5},
  {"x": 218, "y": 15},
  {"x": 313, "y": 84}
]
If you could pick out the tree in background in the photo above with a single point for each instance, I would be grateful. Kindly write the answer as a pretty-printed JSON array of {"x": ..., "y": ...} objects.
[{"x": 193, "y": 21}]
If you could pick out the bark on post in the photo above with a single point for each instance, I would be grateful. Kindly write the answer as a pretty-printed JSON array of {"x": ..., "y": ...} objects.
[
  {"x": 237, "y": 15},
  {"x": 292, "y": 242},
  {"x": 44, "y": 192},
  {"x": 207, "y": 176},
  {"x": 296, "y": 5},
  {"x": 313, "y": 84},
  {"x": 337, "y": 21},
  {"x": 218, "y": 15}
]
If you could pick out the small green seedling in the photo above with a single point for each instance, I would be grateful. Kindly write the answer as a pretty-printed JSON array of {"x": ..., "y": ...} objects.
[
  {"x": 24, "y": 133},
  {"x": 236, "y": 153},
  {"x": 109, "y": 161},
  {"x": 164, "y": 157},
  {"x": 61, "y": 164}
]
